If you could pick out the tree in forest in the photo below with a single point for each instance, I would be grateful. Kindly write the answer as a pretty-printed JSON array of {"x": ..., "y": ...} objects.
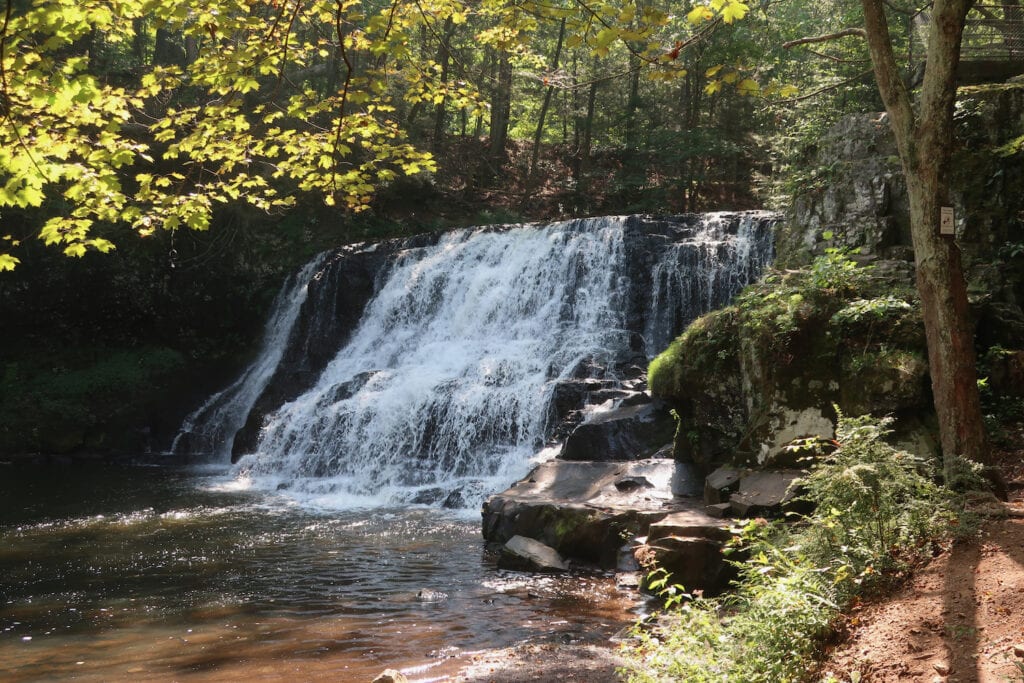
[{"x": 924, "y": 137}]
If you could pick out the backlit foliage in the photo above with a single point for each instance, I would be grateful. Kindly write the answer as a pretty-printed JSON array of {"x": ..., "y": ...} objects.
[{"x": 152, "y": 112}]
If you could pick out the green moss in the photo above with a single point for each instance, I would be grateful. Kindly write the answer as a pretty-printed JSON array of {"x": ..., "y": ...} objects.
[
  {"x": 707, "y": 344},
  {"x": 829, "y": 333}
]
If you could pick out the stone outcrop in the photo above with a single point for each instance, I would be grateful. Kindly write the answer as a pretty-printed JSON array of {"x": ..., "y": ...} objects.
[
  {"x": 627, "y": 432},
  {"x": 688, "y": 546},
  {"x": 749, "y": 379},
  {"x": 584, "y": 510}
]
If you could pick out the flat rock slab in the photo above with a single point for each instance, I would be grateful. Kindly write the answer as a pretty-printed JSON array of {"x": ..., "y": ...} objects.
[
  {"x": 584, "y": 510},
  {"x": 689, "y": 523},
  {"x": 764, "y": 492}
]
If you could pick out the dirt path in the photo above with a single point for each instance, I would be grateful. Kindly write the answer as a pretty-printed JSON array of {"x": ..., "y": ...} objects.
[{"x": 959, "y": 620}]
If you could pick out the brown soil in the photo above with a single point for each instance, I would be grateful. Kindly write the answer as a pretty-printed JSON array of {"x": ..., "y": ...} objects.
[{"x": 958, "y": 620}]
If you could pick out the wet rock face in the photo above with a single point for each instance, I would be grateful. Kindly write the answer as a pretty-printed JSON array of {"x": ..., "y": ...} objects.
[
  {"x": 527, "y": 554},
  {"x": 629, "y": 432}
]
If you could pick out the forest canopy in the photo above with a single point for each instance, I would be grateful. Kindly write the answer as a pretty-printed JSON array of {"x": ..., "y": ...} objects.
[{"x": 151, "y": 113}]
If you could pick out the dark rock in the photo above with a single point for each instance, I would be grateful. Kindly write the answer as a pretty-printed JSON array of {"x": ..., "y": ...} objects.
[
  {"x": 627, "y": 433},
  {"x": 528, "y": 554},
  {"x": 689, "y": 523},
  {"x": 764, "y": 493},
  {"x": 718, "y": 509},
  {"x": 633, "y": 483},
  {"x": 693, "y": 562},
  {"x": 720, "y": 484}
]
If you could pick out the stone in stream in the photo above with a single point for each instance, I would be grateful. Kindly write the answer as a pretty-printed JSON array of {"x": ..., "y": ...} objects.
[
  {"x": 391, "y": 676},
  {"x": 526, "y": 553},
  {"x": 585, "y": 510}
]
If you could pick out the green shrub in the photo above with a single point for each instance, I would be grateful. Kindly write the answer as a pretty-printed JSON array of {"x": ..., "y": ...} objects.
[{"x": 876, "y": 509}]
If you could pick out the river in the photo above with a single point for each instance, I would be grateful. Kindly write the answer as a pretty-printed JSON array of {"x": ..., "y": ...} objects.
[{"x": 153, "y": 573}]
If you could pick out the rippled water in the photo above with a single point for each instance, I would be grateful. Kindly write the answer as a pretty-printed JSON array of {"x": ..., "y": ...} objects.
[{"x": 152, "y": 573}]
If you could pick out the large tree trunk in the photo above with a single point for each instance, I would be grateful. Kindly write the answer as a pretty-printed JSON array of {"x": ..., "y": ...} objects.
[
  {"x": 444, "y": 59},
  {"x": 925, "y": 142}
]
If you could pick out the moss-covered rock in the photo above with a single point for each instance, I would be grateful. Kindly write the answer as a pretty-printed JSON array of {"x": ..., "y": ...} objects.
[{"x": 749, "y": 379}]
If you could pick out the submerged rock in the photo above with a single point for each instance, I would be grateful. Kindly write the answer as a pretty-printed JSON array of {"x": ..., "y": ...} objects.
[{"x": 391, "y": 676}]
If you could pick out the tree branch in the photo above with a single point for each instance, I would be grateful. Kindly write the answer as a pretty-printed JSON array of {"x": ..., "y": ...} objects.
[
  {"x": 887, "y": 75},
  {"x": 827, "y": 37}
]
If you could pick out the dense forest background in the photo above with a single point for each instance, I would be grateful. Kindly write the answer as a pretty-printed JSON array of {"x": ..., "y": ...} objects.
[{"x": 217, "y": 147}]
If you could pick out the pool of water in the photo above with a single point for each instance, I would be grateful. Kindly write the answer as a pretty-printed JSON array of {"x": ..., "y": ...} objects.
[{"x": 156, "y": 573}]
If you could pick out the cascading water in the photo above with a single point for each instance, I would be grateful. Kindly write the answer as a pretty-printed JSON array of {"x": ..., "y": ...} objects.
[
  {"x": 446, "y": 380},
  {"x": 208, "y": 432},
  {"x": 701, "y": 274},
  {"x": 443, "y": 391}
]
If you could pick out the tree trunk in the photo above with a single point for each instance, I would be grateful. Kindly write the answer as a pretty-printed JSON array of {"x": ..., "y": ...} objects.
[
  {"x": 444, "y": 59},
  {"x": 925, "y": 143},
  {"x": 501, "y": 109},
  {"x": 539, "y": 132}
]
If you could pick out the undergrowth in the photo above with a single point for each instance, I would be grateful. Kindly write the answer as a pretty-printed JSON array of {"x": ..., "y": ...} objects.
[{"x": 878, "y": 511}]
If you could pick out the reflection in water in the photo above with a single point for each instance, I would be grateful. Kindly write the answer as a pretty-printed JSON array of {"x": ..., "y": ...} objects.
[{"x": 157, "y": 574}]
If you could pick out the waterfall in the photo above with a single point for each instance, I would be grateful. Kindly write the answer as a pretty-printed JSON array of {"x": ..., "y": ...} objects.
[
  {"x": 445, "y": 382},
  {"x": 700, "y": 274},
  {"x": 424, "y": 370},
  {"x": 209, "y": 430}
]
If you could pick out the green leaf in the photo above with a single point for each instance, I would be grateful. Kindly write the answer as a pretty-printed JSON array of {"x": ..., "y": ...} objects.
[{"x": 8, "y": 262}]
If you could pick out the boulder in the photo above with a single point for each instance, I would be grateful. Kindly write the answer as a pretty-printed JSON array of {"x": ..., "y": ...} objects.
[
  {"x": 764, "y": 493},
  {"x": 624, "y": 433},
  {"x": 689, "y": 523},
  {"x": 528, "y": 554},
  {"x": 688, "y": 545},
  {"x": 391, "y": 676},
  {"x": 691, "y": 562},
  {"x": 721, "y": 484}
]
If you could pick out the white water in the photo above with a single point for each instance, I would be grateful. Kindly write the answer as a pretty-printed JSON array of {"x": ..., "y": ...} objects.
[
  {"x": 705, "y": 273},
  {"x": 210, "y": 430},
  {"x": 446, "y": 381}
]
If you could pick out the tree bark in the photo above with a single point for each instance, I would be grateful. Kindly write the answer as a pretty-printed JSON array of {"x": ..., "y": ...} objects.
[
  {"x": 539, "y": 132},
  {"x": 501, "y": 109},
  {"x": 925, "y": 143},
  {"x": 444, "y": 59}
]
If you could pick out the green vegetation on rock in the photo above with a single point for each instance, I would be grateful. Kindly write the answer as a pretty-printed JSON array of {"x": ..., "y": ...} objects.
[{"x": 833, "y": 332}]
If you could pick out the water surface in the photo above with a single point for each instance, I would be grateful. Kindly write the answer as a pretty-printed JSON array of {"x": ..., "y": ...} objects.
[{"x": 154, "y": 573}]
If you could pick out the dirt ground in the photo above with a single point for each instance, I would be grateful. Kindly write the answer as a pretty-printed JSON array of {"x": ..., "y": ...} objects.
[{"x": 958, "y": 620}]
